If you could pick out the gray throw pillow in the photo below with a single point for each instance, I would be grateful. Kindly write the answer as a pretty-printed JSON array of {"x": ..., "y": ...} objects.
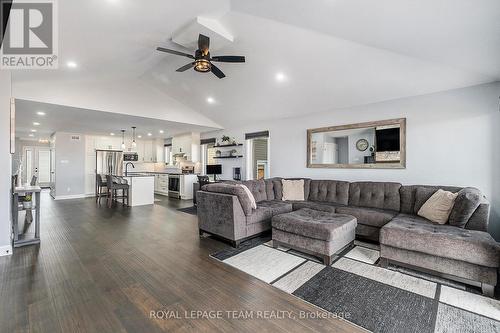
[{"x": 467, "y": 201}]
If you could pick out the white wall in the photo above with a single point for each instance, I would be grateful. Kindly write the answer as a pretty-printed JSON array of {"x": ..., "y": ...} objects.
[
  {"x": 5, "y": 163},
  {"x": 453, "y": 138}
]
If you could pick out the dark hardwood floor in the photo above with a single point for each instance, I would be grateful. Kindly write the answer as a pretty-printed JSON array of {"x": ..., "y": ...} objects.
[{"x": 105, "y": 270}]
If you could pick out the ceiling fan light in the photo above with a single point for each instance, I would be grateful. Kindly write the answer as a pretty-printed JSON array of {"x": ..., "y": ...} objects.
[{"x": 202, "y": 65}]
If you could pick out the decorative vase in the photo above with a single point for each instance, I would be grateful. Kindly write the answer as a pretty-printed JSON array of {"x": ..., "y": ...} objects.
[
  {"x": 217, "y": 153},
  {"x": 27, "y": 204}
]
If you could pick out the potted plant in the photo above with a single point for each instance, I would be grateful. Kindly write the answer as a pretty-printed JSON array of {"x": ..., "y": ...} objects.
[
  {"x": 226, "y": 140},
  {"x": 27, "y": 203}
]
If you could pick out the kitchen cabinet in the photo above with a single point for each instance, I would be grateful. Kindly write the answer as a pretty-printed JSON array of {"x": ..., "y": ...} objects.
[
  {"x": 161, "y": 184},
  {"x": 187, "y": 144},
  {"x": 148, "y": 151}
]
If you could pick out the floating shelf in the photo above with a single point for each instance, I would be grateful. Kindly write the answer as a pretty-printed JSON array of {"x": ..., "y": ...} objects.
[
  {"x": 222, "y": 146},
  {"x": 236, "y": 156}
]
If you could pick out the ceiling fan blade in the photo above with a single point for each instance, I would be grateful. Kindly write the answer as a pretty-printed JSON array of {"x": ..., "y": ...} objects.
[
  {"x": 217, "y": 72},
  {"x": 203, "y": 43},
  {"x": 162, "y": 49},
  {"x": 186, "y": 67},
  {"x": 228, "y": 58}
]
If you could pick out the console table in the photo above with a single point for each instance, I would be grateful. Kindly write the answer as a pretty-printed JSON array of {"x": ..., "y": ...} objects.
[{"x": 20, "y": 240}]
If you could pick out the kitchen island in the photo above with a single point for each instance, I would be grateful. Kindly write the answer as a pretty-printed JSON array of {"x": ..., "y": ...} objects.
[{"x": 142, "y": 188}]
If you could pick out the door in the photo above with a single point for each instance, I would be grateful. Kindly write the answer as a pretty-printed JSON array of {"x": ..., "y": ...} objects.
[{"x": 37, "y": 162}]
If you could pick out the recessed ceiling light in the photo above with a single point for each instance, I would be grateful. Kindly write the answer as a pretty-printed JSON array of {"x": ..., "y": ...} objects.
[
  {"x": 210, "y": 100},
  {"x": 111, "y": 134},
  {"x": 280, "y": 77},
  {"x": 161, "y": 131},
  {"x": 36, "y": 124},
  {"x": 33, "y": 130},
  {"x": 149, "y": 134},
  {"x": 31, "y": 135},
  {"x": 139, "y": 136},
  {"x": 40, "y": 113},
  {"x": 72, "y": 64}
]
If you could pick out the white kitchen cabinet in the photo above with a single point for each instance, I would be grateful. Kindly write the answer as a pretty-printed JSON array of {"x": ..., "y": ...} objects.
[
  {"x": 189, "y": 144},
  {"x": 159, "y": 151},
  {"x": 148, "y": 151},
  {"x": 161, "y": 184}
]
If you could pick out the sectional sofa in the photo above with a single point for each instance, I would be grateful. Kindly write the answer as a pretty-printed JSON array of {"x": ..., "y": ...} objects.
[{"x": 385, "y": 213}]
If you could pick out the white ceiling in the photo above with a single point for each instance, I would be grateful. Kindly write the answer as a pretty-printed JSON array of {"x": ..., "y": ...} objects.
[
  {"x": 60, "y": 118},
  {"x": 332, "y": 53}
]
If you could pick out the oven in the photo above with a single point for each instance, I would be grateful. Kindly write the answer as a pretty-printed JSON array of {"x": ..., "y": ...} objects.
[{"x": 174, "y": 186}]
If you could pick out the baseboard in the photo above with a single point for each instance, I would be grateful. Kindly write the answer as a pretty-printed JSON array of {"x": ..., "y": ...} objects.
[
  {"x": 5, "y": 250},
  {"x": 73, "y": 196}
]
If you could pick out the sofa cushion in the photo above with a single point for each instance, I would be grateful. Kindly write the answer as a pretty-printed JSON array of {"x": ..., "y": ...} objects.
[
  {"x": 321, "y": 206},
  {"x": 314, "y": 224},
  {"x": 410, "y": 232},
  {"x": 249, "y": 195},
  {"x": 261, "y": 214},
  {"x": 438, "y": 207},
  {"x": 238, "y": 191},
  {"x": 381, "y": 195},
  {"x": 258, "y": 189},
  {"x": 466, "y": 203},
  {"x": 422, "y": 193},
  {"x": 270, "y": 189},
  {"x": 293, "y": 190},
  {"x": 408, "y": 196},
  {"x": 329, "y": 191},
  {"x": 369, "y": 216},
  {"x": 277, "y": 207}
]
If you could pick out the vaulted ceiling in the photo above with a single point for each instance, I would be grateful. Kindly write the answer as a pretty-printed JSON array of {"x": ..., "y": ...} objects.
[{"x": 302, "y": 56}]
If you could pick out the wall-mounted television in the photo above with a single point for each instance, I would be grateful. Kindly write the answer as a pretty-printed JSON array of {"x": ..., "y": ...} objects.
[
  {"x": 387, "y": 139},
  {"x": 214, "y": 169}
]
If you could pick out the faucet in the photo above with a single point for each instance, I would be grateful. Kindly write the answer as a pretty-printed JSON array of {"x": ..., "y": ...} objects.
[{"x": 126, "y": 167}]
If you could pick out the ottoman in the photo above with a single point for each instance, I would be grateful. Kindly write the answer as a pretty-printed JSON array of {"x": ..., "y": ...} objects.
[{"x": 314, "y": 232}]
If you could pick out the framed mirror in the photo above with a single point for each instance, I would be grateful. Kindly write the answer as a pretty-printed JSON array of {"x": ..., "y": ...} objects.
[{"x": 370, "y": 145}]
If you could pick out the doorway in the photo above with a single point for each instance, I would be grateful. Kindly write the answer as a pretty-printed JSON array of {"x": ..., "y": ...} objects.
[{"x": 37, "y": 162}]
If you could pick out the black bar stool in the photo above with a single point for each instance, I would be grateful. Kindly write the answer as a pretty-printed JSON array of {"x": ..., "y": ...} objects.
[
  {"x": 113, "y": 187},
  {"x": 101, "y": 188}
]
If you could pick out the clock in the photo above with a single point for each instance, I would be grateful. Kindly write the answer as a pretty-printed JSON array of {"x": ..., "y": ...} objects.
[{"x": 362, "y": 144}]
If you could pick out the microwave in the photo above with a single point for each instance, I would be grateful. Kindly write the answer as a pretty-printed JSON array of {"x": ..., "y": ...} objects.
[{"x": 130, "y": 157}]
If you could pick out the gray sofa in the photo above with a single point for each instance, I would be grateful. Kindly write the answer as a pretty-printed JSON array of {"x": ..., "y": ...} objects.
[{"x": 385, "y": 213}]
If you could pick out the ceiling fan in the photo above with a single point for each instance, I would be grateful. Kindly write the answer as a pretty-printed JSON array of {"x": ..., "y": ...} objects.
[{"x": 202, "y": 59}]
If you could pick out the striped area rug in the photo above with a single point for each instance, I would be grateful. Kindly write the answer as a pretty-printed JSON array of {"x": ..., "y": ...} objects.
[{"x": 357, "y": 289}]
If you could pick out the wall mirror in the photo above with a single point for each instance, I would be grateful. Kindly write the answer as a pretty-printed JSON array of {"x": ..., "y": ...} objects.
[{"x": 370, "y": 145}]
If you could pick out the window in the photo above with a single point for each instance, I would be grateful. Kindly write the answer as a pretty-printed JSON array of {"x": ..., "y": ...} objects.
[
  {"x": 207, "y": 154},
  {"x": 258, "y": 155}
]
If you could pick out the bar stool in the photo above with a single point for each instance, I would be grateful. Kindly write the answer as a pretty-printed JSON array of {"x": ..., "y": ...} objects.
[
  {"x": 113, "y": 188},
  {"x": 101, "y": 188}
]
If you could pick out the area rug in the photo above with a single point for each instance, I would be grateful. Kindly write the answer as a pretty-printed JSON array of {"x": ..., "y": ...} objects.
[
  {"x": 375, "y": 298},
  {"x": 189, "y": 210}
]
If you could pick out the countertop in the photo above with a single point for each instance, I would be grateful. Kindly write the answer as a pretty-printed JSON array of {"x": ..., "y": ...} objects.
[
  {"x": 152, "y": 173},
  {"x": 137, "y": 175}
]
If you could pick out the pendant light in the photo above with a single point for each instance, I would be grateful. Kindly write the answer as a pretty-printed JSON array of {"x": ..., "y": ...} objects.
[
  {"x": 134, "y": 144},
  {"x": 123, "y": 139}
]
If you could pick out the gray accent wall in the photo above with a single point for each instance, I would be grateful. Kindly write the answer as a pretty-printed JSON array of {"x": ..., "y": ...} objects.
[
  {"x": 69, "y": 165},
  {"x": 453, "y": 138}
]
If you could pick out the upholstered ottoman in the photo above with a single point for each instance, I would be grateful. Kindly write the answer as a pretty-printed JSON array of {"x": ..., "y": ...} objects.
[{"x": 314, "y": 232}]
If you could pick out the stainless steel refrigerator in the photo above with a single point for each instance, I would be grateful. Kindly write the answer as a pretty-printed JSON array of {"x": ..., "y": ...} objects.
[{"x": 109, "y": 162}]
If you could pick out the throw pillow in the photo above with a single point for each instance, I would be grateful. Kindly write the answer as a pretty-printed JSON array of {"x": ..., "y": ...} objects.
[
  {"x": 253, "y": 204},
  {"x": 467, "y": 201},
  {"x": 293, "y": 190},
  {"x": 438, "y": 208}
]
